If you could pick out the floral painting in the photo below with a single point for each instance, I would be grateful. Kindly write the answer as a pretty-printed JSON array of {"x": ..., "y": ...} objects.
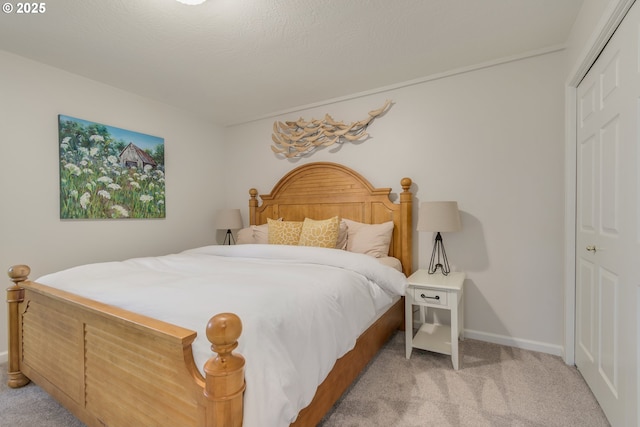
[{"x": 108, "y": 172}]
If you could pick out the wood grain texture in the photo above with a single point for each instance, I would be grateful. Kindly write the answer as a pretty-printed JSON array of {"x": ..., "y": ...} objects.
[{"x": 322, "y": 190}]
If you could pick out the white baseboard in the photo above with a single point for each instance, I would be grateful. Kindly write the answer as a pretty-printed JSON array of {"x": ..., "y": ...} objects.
[
  {"x": 542, "y": 347},
  {"x": 4, "y": 357}
]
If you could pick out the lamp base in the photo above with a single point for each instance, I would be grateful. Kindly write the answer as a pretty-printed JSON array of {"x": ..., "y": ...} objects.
[
  {"x": 439, "y": 257},
  {"x": 228, "y": 238}
]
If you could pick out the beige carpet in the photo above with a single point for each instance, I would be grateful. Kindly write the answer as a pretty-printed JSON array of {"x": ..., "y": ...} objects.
[{"x": 496, "y": 386}]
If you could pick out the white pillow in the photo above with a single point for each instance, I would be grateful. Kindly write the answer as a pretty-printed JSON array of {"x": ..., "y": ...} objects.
[
  {"x": 370, "y": 239},
  {"x": 260, "y": 233},
  {"x": 245, "y": 236},
  {"x": 390, "y": 261},
  {"x": 253, "y": 234}
]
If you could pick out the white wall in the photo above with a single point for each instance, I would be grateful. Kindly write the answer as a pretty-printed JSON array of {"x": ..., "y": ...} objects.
[
  {"x": 588, "y": 23},
  {"x": 31, "y": 97},
  {"x": 492, "y": 139}
]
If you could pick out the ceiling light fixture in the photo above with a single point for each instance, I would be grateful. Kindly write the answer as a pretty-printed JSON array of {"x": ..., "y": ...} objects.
[{"x": 192, "y": 2}]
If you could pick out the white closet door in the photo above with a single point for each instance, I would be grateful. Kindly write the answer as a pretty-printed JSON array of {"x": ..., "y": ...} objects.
[{"x": 608, "y": 249}]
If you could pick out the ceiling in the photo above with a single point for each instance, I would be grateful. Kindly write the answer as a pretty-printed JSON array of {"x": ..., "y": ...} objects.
[{"x": 232, "y": 61}]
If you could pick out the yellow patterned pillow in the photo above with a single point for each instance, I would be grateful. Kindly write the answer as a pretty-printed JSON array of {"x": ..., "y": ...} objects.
[
  {"x": 323, "y": 234},
  {"x": 284, "y": 232}
]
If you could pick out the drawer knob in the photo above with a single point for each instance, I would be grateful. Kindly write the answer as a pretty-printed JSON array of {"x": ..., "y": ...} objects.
[{"x": 426, "y": 297}]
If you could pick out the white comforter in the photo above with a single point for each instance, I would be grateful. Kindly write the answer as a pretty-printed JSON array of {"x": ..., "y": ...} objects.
[{"x": 301, "y": 308}]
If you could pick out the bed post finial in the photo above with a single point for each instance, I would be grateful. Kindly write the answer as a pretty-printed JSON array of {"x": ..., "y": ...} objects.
[
  {"x": 406, "y": 184},
  {"x": 406, "y": 207},
  {"x": 253, "y": 206},
  {"x": 15, "y": 295},
  {"x": 224, "y": 374}
]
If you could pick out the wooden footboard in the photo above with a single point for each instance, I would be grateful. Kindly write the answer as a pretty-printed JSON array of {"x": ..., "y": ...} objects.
[{"x": 111, "y": 367}]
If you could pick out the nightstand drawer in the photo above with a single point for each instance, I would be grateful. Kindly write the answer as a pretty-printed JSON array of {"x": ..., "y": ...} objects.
[{"x": 430, "y": 296}]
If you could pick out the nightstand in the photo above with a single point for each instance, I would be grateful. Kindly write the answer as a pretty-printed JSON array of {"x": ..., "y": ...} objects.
[{"x": 435, "y": 291}]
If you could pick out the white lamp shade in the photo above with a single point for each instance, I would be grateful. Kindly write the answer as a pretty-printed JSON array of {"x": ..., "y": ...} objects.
[
  {"x": 191, "y": 2},
  {"x": 228, "y": 219},
  {"x": 439, "y": 217}
]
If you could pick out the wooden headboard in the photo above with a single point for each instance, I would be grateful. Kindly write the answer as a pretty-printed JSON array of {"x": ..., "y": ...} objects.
[{"x": 322, "y": 190}]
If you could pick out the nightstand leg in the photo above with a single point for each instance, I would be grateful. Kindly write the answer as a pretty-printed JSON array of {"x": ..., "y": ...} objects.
[
  {"x": 454, "y": 336},
  {"x": 461, "y": 317},
  {"x": 408, "y": 326}
]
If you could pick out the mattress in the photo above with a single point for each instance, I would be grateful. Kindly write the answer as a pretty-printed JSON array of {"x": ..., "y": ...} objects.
[{"x": 302, "y": 308}]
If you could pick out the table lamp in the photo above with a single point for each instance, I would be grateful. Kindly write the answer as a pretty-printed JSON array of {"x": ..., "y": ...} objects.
[
  {"x": 228, "y": 219},
  {"x": 439, "y": 217}
]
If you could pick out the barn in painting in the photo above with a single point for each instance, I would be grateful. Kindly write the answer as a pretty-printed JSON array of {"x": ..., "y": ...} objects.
[{"x": 133, "y": 155}]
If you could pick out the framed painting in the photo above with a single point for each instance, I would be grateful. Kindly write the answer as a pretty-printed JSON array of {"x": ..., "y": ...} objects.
[{"x": 107, "y": 172}]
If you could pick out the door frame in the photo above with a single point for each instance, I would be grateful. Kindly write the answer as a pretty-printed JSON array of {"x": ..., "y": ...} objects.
[{"x": 611, "y": 18}]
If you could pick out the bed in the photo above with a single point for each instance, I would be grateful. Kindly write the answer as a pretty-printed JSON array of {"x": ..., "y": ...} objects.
[{"x": 111, "y": 366}]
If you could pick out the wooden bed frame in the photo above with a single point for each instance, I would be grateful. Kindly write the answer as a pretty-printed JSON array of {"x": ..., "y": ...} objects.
[{"x": 112, "y": 367}]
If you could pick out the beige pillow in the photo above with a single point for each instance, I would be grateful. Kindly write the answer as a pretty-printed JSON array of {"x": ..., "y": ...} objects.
[
  {"x": 260, "y": 233},
  {"x": 323, "y": 233},
  {"x": 370, "y": 239},
  {"x": 284, "y": 232},
  {"x": 342, "y": 236},
  {"x": 245, "y": 236}
]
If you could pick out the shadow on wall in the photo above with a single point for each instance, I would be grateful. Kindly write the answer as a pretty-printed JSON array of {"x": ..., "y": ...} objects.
[{"x": 466, "y": 249}]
